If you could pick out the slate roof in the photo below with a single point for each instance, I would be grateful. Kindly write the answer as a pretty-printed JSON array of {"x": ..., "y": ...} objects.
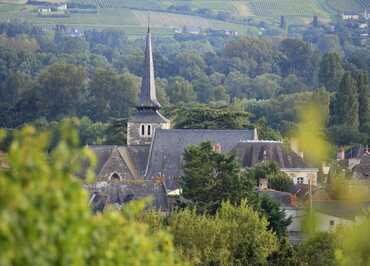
[
  {"x": 283, "y": 198},
  {"x": 148, "y": 116},
  {"x": 148, "y": 98},
  {"x": 168, "y": 145},
  {"x": 362, "y": 170},
  {"x": 254, "y": 152},
  {"x": 127, "y": 162},
  {"x": 342, "y": 209},
  {"x": 120, "y": 193}
]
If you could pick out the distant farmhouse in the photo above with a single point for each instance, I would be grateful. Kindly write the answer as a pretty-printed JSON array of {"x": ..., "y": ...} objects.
[{"x": 151, "y": 162}]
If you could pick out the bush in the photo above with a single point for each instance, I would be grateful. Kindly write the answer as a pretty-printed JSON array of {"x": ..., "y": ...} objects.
[
  {"x": 234, "y": 236},
  {"x": 45, "y": 218}
]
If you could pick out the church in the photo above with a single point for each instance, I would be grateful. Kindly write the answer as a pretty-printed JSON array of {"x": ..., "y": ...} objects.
[{"x": 150, "y": 163}]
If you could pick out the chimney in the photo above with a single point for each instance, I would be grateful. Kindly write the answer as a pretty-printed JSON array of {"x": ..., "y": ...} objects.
[
  {"x": 255, "y": 134},
  {"x": 217, "y": 148},
  {"x": 294, "y": 145},
  {"x": 263, "y": 184},
  {"x": 341, "y": 155},
  {"x": 293, "y": 200}
]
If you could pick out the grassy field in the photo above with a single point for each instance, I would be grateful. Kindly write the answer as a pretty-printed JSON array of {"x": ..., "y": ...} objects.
[
  {"x": 273, "y": 8},
  {"x": 338, "y": 6},
  {"x": 134, "y": 22},
  {"x": 131, "y": 15}
]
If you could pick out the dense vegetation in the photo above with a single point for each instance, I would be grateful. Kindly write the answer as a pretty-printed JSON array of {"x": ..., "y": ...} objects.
[
  {"x": 35, "y": 209},
  {"x": 47, "y": 76}
]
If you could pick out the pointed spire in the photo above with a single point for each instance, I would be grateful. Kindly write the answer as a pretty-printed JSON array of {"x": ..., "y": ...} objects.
[{"x": 148, "y": 98}]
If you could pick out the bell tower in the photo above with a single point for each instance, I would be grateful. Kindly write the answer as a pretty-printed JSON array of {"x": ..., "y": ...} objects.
[{"x": 142, "y": 124}]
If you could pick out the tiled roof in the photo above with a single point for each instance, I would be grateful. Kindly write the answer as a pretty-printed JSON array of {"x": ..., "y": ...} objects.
[
  {"x": 148, "y": 116},
  {"x": 121, "y": 192},
  {"x": 254, "y": 152},
  {"x": 168, "y": 147}
]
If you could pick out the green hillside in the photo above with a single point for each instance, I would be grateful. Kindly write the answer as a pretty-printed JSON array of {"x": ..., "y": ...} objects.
[
  {"x": 131, "y": 15},
  {"x": 338, "y": 6}
]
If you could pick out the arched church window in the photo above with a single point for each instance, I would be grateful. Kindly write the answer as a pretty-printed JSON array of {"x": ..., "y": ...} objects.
[
  {"x": 115, "y": 177},
  {"x": 149, "y": 130}
]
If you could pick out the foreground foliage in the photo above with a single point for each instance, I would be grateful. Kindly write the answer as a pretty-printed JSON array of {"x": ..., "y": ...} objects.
[
  {"x": 234, "y": 236},
  {"x": 45, "y": 218}
]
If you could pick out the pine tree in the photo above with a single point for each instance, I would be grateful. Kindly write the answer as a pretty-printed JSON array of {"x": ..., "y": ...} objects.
[
  {"x": 346, "y": 103},
  {"x": 363, "y": 99}
]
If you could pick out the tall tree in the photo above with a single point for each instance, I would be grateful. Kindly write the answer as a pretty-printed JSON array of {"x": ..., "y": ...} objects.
[
  {"x": 60, "y": 89},
  {"x": 345, "y": 107},
  {"x": 363, "y": 99},
  {"x": 331, "y": 71},
  {"x": 211, "y": 178},
  {"x": 236, "y": 235}
]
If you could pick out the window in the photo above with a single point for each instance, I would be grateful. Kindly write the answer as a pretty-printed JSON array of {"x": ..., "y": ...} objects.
[
  {"x": 300, "y": 180},
  {"x": 115, "y": 177},
  {"x": 145, "y": 130},
  {"x": 149, "y": 130},
  {"x": 332, "y": 223}
]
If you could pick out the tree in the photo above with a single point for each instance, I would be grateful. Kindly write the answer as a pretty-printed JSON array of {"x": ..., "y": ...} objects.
[
  {"x": 345, "y": 106},
  {"x": 331, "y": 71},
  {"x": 45, "y": 217},
  {"x": 211, "y": 178},
  {"x": 278, "y": 222},
  {"x": 60, "y": 90},
  {"x": 353, "y": 245},
  {"x": 234, "y": 236},
  {"x": 111, "y": 95},
  {"x": 277, "y": 179},
  {"x": 204, "y": 116},
  {"x": 298, "y": 59},
  {"x": 180, "y": 90},
  {"x": 286, "y": 255},
  {"x": 318, "y": 250},
  {"x": 363, "y": 99}
]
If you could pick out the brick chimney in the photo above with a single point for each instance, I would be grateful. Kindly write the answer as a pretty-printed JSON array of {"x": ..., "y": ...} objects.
[
  {"x": 217, "y": 148},
  {"x": 341, "y": 154},
  {"x": 293, "y": 200}
]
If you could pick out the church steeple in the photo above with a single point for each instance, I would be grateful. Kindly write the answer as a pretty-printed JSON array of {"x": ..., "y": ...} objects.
[
  {"x": 148, "y": 98},
  {"x": 143, "y": 123}
]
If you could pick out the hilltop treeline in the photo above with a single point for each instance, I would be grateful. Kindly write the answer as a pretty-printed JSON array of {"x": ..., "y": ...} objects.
[{"x": 49, "y": 75}]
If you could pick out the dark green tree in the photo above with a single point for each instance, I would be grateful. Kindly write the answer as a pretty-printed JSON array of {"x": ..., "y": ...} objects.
[
  {"x": 363, "y": 99},
  {"x": 278, "y": 221},
  {"x": 345, "y": 106},
  {"x": 60, "y": 90},
  {"x": 331, "y": 71},
  {"x": 211, "y": 178},
  {"x": 318, "y": 250},
  {"x": 204, "y": 116}
]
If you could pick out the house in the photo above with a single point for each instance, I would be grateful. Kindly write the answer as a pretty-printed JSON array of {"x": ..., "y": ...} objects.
[
  {"x": 151, "y": 162},
  {"x": 350, "y": 15},
  {"x": 328, "y": 213},
  {"x": 252, "y": 152}
]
